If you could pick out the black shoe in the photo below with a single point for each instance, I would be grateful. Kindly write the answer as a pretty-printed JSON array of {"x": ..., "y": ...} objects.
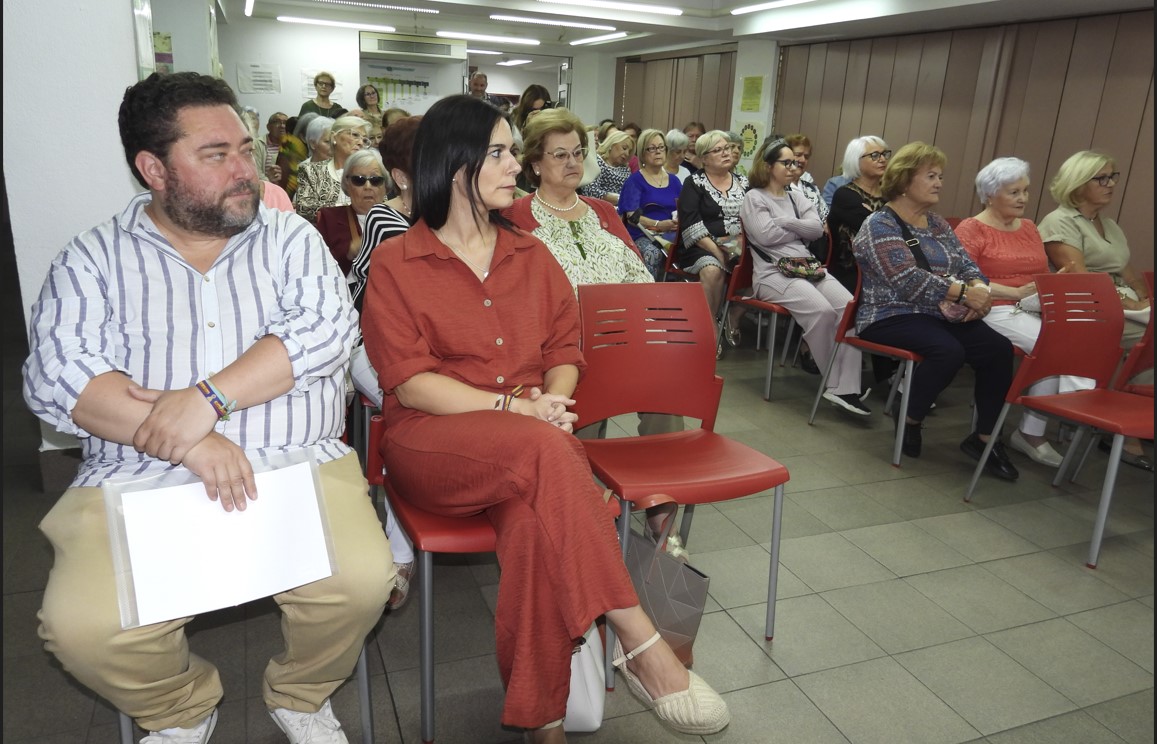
[
  {"x": 998, "y": 463},
  {"x": 849, "y": 402},
  {"x": 1137, "y": 461},
  {"x": 808, "y": 364},
  {"x": 913, "y": 442}
]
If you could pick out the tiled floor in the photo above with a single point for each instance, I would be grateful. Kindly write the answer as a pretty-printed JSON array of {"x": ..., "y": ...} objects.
[{"x": 904, "y": 614}]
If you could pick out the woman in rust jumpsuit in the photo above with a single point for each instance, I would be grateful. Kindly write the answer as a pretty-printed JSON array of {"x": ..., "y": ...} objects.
[{"x": 461, "y": 312}]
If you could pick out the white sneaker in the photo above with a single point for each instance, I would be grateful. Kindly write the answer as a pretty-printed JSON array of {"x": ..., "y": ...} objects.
[
  {"x": 309, "y": 728},
  {"x": 1044, "y": 454},
  {"x": 199, "y": 734}
]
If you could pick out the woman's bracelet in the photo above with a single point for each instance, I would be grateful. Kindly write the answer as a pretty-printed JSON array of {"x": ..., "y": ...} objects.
[
  {"x": 961, "y": 296},
  {"x": 504, "y": 400}
]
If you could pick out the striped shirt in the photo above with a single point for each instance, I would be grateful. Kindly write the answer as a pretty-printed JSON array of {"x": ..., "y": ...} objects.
[
  {"x": 382, "y": 223},
  {"x": 120, "y": 298}
]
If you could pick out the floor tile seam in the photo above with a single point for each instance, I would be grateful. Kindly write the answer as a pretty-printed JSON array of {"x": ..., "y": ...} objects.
[
  {"x": 1106, "y": 646},
  {"x": 441, "y": 662},
  {"x": 393, "y": 704},
  {"x": 816, "y": 705},
  {"x": 929, "y": 534},
  {"x": 984, "y": 565},
  {"x": 1086, "y": 571},
  {"x": 876, "y": 643},
  {"x": 962, "y": 621},
  {"x": 1107, "y": 534}
]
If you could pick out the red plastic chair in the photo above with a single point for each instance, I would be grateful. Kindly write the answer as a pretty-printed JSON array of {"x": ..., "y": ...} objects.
[
  {"x": 1140, "y": 357},
  {"x": 1079, "y": 311},
  {"x": 740, "y": 280},
  {"x": 628, "y": 332},
  {"x": 953, "y": 221},
  {"x": 909, "y": 358}
]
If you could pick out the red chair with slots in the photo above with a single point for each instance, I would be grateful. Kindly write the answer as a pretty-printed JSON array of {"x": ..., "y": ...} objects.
[
  {"x": 1079, "y": 311},
  {"x": 628, "y": 332},
  {"x": 1140, "y": 357},
  {"x": 909, "y": 358}
]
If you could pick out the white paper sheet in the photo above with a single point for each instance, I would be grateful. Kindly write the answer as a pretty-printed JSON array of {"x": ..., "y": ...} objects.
[{"x": 188, "y": 555}]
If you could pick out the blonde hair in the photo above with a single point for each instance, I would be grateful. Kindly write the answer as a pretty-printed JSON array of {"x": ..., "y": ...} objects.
[
  {"x": 350, "y": 122},
  {"x": 1074, "y": 173},
  {"x": 612, "y": 139},
  {"x": 551, "y": 121},
  {"x": 904, "y": 164},
  {"x": 644, "y": 138},
  {"x": 708, "y": 141}
]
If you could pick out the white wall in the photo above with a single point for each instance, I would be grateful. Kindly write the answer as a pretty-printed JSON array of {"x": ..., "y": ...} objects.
[
  {"x": 513, "y": 80},
  {"x": 188, "y": 23},
  {"x": 592, "y": 87},
  {"x": 754, "y": 59},
  {"x": 60, "y": 188}
]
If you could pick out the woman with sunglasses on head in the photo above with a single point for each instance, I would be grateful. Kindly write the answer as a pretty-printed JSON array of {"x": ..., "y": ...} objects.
[
  {"x": 319, "y": 183},
  {"x": 865, "y": 159},
  {"x": 648, "y": 201},
  {"x": 534, "y": 99},
  {"x": 780, "y": 222},
  {"x": 462, "y": 314},
  {"x": 1076, "y": 234},
  {"x": 363, "y": 182}
]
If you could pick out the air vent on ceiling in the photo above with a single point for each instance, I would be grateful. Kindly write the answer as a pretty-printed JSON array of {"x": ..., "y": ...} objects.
[{"x": 396, "y": 46}]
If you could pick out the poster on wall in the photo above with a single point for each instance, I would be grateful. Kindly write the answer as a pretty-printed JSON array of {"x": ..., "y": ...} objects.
[
  {"x": 258, "y": 77},
  {"x": 752, "y": 96},
  {"x": 403, "y": 84},
  {"x": 163, "y": 51}
]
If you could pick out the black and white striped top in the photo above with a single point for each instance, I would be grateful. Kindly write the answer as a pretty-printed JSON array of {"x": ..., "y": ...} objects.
[
  {"x": 382, "y": 223},
  {"x": 120, "y": 298}
]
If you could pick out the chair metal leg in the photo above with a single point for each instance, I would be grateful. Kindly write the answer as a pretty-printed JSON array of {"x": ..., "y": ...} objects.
[
  {"x": 1093, "y": 439},
  {"x": 892, "y": 392},
  {"x": 1106, "y": 499},
  {"x": 773, "y": 568},
  {"x": 759, "y": 331},
  {"x": 771, "y": 332},
  {"x": 1070, "y": 455},
  {"x": 426, "y": 642},
  {"x": 823, "y": 384},
  {"x": 992, "y": 440},
  {"x": 685, "y": 523},
  {"x": 787, "y": 340},
  {"x": 363, "y": 677},
  {"x": 126, "y": 729},
  {"x": 902, "y": 419}
]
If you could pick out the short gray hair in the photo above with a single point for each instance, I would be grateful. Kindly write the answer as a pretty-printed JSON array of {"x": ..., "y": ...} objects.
[
  {"x": 361, "y": 159},
  {"x": 317, "y": 129},
  {"x": 734, "y": 138},
  {"x": 676, "y": 140},
  {"x": 997, "y": 174},
  {"x": 855, "y": 151}
]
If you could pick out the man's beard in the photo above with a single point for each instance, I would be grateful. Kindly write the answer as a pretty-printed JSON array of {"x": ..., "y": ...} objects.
[{"x": 192, "y": 212}]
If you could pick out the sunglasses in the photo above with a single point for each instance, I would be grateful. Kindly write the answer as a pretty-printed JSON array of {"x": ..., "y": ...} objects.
[{"x": 373, "y": 180}]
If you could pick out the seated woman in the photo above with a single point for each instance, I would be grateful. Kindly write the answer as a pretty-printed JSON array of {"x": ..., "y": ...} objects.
[
  {"x": 462, "y": 313},
  {"x": 363, "y": 181},
  {"x": 587, "y": 238},
  {"x": 1008, "y": 249},
  {"x": 648, "y": 200},
  {"x": 865, "y": 159},
  {"x": 319, "y": 182},
  {"x": 779, "y": 224},
  {"x": 613, "y": 152},
  {"x": 1078, "y": 236},
  {"x": 709, "y": 223},
  {"x": 677, "y": 144},
  {"x": 694, "y": 130},
  {"x": 294, "y": 149},
  {"x": 911, "y": 299}
]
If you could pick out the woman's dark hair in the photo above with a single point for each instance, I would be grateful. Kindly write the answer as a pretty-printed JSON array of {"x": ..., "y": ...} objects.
[
  {"x": 454, "y": 135},
  {"x": 360, "y": 96},
  {"x": 149, "y": 111},
  {"x": 397, "y": 145},
  {"x": 534, "y": 92}
]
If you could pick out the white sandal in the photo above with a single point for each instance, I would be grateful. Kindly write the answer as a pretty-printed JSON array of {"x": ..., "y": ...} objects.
[
  {"x": 697, "y": 710},
  {"x": 401, "y": 588}
]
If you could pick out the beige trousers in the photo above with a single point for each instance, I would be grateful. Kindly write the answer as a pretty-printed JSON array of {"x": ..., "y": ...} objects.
[{"x": 149, "y": 673}]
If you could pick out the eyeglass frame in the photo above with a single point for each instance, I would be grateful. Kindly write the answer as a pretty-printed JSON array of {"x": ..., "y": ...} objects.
[
  {"x": 367, "y": 179},
  {"x": 790, "y": 163},
  {"x": 718, "y": 150},
  {"x": 1107, "y": 180},
  {"x": 561, "y": 154},
  {"x": 876, "y": 155},
  {"x": 330, "y": 84},
  {"x": 652, "y": 149}
]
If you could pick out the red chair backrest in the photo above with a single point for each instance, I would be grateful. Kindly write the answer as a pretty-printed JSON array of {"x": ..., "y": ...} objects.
[
  {"x": 741, "y": 275},
  {"x": 1140, "y": 357},
  {"x": 848, "y": 319},
  {"x": 649, "y": 348},
  {"x": 1080, "y": 335},
  {"x": 953, "y": 221}
]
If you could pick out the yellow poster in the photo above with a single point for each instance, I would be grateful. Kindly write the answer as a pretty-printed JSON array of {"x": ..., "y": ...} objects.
[{"x": 752, "y": 93}]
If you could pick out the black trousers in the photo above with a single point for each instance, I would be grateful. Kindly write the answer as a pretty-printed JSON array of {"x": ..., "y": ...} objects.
[{"x": 946, "y": 347}]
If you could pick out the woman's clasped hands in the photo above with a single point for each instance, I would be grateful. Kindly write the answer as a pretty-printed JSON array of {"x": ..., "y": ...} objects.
[{"x": 547, "y": 407}]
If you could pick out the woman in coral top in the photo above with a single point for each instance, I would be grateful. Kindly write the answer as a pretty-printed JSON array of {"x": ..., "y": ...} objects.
[
  {"x": 1008, "y": 249},
  {"x": 462, "y": 312}
]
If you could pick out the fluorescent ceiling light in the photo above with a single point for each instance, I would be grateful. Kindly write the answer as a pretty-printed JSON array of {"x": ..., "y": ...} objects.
[
  {"x": 595, "y": 39},
  {"x": 610, "y": 5},
  {"x": 248, "y": 8},
  {"x": 338, "y": 24},
  {"x": 768, "y": 6},
  {"x": 485, "y": 37},
  {"x": 513, "y": 62},
  {"x": 549, "y": 22},
  {"x": 380, "y": 6},
  {"x": 481, "y": 51}
]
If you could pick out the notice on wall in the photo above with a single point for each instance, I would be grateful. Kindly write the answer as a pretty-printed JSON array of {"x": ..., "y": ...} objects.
[
  {"x": 258, "y": 77},
  {"x": 407, "y": 85},
  {"x": 752, "y": 93},
  {"x": 163, "y": 51}
]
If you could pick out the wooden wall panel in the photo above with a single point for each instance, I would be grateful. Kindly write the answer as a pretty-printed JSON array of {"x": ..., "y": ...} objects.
[
  {"x": 960, "y": 81},
  {"x": 905, "y": 70},
  {"x": 831, "y": 102},
  {"x": 725, "y": 84},
  {"x": 793, "y": 75},
  {"x": 658, "y": 83},
  {"x": 813, "y": 87},
  {"x": 988, "y": 105},
  {"x": 852, "y": 110},
  {"x": 929, "y": 88},
  {"x": 710, "y": 94},
  {"x": 1135, "y": 192},
  {"x": 1016, "y": 89},
  {"x": 688, "y": 83},
  {"x": 668, "y": 92},
  {"x": 634, "y": 88},
  {"x": 876, "y": 89}
]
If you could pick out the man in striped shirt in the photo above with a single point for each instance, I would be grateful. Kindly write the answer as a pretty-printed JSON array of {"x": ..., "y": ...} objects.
[{"x": 199, "y": 330}]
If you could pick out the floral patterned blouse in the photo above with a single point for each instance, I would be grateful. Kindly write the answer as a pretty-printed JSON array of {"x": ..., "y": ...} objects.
[
  {"x": 588, "y": 253},
  {"x": 318, "y": 185}
]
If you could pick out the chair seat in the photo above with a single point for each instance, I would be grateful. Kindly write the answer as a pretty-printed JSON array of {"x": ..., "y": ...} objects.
[
  {"x": 758, "y": 304},
  {"x": 881, "y": 349},
  {"x": 1108, "y": 410},
  {"x": 435, "y": 533},
  {"x": 1146, "y": 390},
  {"x": 692, "y": 467}
]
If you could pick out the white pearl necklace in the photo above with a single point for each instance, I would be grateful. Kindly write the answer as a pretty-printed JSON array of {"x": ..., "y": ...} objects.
[{"x": 538, "y": 196}]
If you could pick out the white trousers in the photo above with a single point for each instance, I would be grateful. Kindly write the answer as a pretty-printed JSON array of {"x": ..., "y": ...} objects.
[
  {"x": 1022, "y": 329},
  {"x": 817, "y": 308}
]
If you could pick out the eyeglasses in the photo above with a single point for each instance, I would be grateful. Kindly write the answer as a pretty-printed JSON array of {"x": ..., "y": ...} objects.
[
  {"x": 1107, "y": 180},
  {"x": 320, "y": 83},
  {"x": 354, "y": 133},
  {"x": 655, "y": 148},
  {"x": 372, "y": 180},
  {"x": 718, "y": 150},
  {"x": 790, "y": 163},
  {"x": 877, "y": 155},
  {"x": 562, "y": 155}
]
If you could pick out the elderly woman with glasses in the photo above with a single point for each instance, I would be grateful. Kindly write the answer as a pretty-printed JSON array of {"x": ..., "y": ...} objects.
[
  {"x": 319, "y": 184},
  {"x": 709, "y": 223},
  {"x": 363, "y": 181},
  {"x": 865, "y": 159},
  {"x": 923, "y": 292},
  {"x": 780, "y": 222},
  {"x": 614, "y": 151},
  {"x": 369, "y": 102},
  {"x": 648, "y": 200},
  {"x": 323, "y": 84}
]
